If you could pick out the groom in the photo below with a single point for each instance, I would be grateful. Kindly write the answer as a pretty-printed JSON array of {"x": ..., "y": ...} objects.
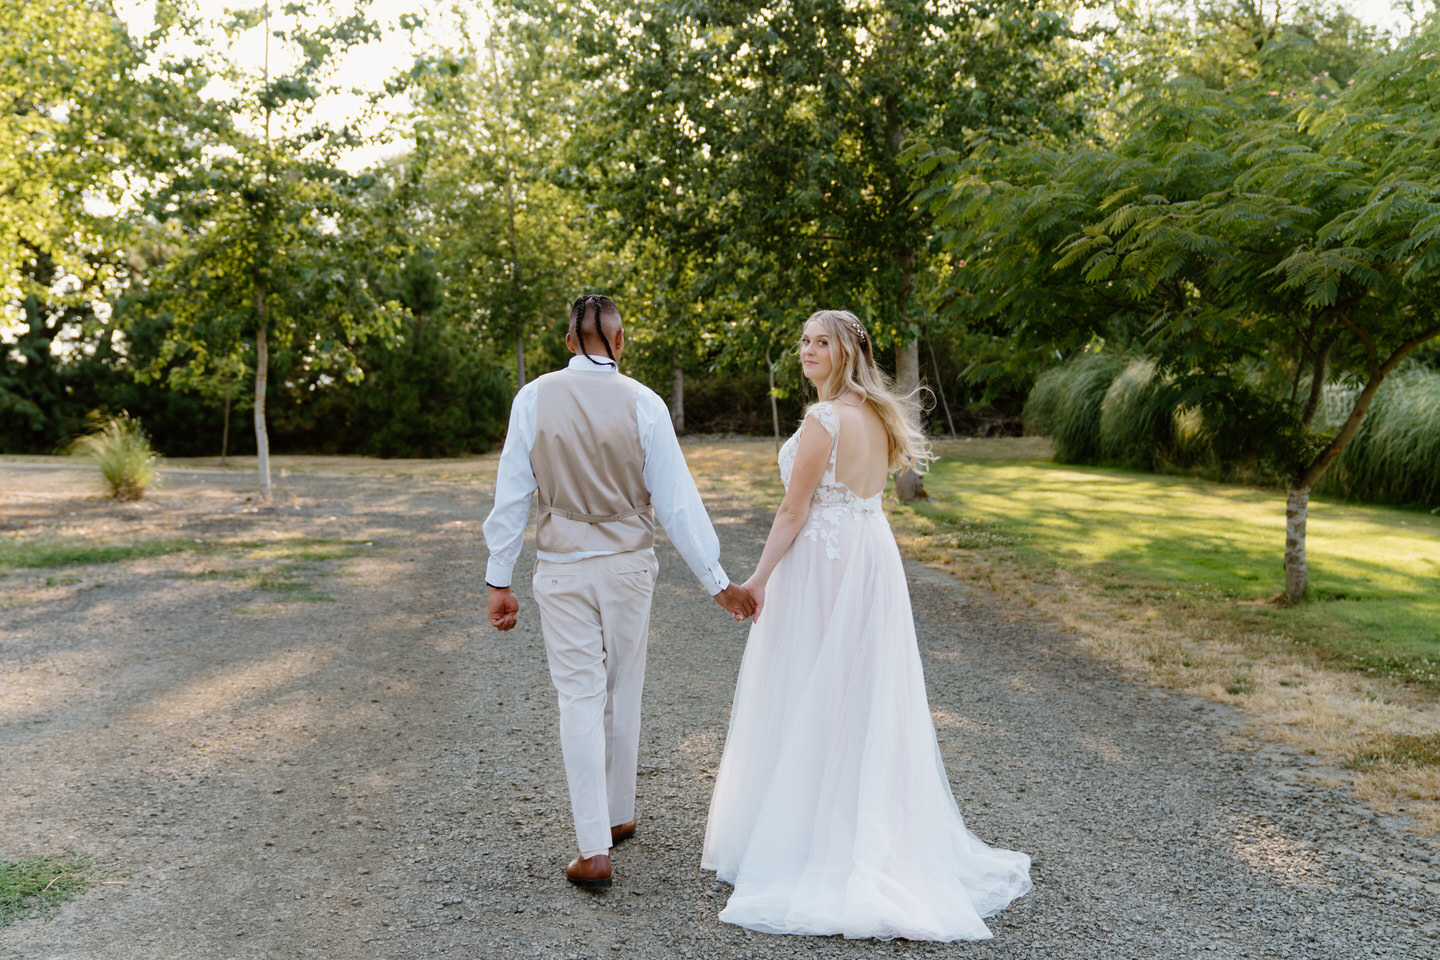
[{"x": 599, "y": 449}]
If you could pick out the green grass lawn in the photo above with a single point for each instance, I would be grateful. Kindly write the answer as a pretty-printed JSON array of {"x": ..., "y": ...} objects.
[{"x": 1374, "y": 571}]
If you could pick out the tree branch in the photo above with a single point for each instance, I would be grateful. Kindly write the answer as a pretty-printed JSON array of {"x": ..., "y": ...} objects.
[
  {"x": 1317, "y": 379},
  {"x": 1344, "y": 317},
  {"x": 1335, "y": 447}
]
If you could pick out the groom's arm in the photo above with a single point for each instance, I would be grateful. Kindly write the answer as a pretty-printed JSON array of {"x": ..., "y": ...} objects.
[
  {"x": 673, "y": 495},
  {"x": 515, "y": 484}
]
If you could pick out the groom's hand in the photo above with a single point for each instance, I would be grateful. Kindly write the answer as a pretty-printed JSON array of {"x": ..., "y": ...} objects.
[
  {"x": 734, "y": 599},
  {"x": 504, "y": 608}
]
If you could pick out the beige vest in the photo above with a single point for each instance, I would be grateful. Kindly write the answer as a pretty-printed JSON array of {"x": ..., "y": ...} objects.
[{"x": 589, "y": 465}]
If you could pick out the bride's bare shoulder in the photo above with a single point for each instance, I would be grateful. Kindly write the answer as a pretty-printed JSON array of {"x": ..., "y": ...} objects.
[{"x": 857, "y": 414}]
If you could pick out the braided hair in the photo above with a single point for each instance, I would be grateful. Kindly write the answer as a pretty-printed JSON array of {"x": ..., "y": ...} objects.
[{"x": 578, "y": 310}]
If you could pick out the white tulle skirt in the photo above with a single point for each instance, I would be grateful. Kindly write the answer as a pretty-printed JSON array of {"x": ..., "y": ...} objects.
[{"x": 832, "y": 811}]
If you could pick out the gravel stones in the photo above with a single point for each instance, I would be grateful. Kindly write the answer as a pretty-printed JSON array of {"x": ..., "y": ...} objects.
[{"x": 378, "y": 776}]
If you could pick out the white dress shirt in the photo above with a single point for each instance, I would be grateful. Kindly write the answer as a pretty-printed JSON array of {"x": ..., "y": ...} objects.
[{"x": 672, "y": 490}]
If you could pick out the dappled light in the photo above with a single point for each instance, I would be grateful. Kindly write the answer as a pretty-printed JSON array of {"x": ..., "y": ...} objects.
[
  {"x": 305, "y": 714},
  {"x": 1205, "y": 539},
  {"x": 1267, "y": 849}
]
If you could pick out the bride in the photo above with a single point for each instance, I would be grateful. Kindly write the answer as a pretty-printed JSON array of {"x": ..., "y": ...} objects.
[{"x": 832, "y": 811}]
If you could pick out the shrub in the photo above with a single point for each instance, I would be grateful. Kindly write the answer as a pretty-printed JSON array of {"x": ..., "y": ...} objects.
[
  {"x": 121, "y": 449},
  {"x": 1066, "y": 404},
  {"x": 1130, "y": 418},
  {"x": 439, "y": 394},
  {"x": 738, "y": 401},
  {"x": 1395, "y": 455},
  {"x": 1042, "y": 407},
  {"x": 1190, "y": 440},
  {"x": 1099, "y": 410}
]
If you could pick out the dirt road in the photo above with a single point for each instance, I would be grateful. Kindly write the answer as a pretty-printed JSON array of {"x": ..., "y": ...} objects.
[{"x": 299, "y": 738}]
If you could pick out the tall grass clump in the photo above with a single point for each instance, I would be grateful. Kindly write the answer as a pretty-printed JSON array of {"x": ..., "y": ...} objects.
[
  {"x": 1395, "y": 455},
  {"x": 122, "y": 451},
  {"x": 1065, "y": 403},
  {"x": 1132, "y": 424}
]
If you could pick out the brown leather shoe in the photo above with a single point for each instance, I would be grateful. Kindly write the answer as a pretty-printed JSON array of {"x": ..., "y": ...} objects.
[
  {"x": 594, "y": 872},
  {"x": 622, "y": 831}
]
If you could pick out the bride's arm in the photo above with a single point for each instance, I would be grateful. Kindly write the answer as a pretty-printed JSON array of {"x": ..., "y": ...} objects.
[{"x": 812, "y": 454}]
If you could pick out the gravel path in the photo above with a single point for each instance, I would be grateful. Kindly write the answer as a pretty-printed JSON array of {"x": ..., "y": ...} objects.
[{"x": 344, "y": 760}]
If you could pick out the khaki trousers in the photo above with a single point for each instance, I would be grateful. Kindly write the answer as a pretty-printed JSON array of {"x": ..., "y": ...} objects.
[{"x": 595, "y": 617}]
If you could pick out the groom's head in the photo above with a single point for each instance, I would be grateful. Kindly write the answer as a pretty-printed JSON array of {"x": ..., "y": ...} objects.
[{"x": 595, "y": 328}]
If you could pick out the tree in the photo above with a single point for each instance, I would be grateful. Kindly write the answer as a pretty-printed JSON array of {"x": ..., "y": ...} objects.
[
  {"x": 489, "y": 122},
  {"x": 258, "y": 208},
  {"x": 88, "y": 118},
  {"x": 765, "y": 142},
  {"x": 1282, "y": 222}
]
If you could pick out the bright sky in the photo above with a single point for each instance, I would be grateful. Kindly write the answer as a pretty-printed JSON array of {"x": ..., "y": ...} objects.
[
  {"x": 367, "y": 68},
  {"x": 1382, "y": 13}
]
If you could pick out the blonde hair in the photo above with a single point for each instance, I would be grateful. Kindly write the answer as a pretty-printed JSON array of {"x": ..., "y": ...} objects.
[{"x": 853, "y": 370}]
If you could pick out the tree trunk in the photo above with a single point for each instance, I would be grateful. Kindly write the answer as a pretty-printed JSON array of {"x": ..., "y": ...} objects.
[
  {"x": 514, "y": 236},
  {"x": 262, "y": 346},
  {"x": 1298, "y": 502},
  {"x": 908, "y": 485},
  {"x": 774, "y": 407},
  {"x": 262, "y": 378},
  {"x": 1317, "y": 382},
  {"x": 677, "y": 394},
  {"x": 225, "y": 430},
  {"x": 1297, "y": 575}
]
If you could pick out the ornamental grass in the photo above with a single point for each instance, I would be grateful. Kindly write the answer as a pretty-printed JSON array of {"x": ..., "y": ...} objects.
[
  {"x": 122, "y": 451},
  {"x": 1065, "y": 404},
  {"x": 1395, "y": 455}
]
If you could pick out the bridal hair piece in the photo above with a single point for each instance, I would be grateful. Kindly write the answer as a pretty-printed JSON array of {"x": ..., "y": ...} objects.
[
  {"x": 853, "y": 370},
  {"x": 602, "y": 304},
  {"x": 855, "y": 324}
]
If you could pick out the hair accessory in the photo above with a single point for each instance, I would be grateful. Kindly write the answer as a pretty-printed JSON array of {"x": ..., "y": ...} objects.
[{"x": 855, "y": 325}]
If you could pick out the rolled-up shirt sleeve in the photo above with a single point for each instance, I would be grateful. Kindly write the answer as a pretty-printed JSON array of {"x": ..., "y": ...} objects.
[
  {"x": 515, "y": 484},
  {"x": 673, "y": 495}
]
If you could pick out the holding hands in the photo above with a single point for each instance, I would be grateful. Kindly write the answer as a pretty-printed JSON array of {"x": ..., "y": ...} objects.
[
  {"x": 741, "y": 602},
  {"x": 756, "y": 588},
  {"x": 744, "y": 600},
  {"x": 737, "y": 602}
]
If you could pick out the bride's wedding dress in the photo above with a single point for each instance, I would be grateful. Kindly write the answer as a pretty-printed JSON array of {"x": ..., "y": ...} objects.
[{"x": 832, "y": 811}]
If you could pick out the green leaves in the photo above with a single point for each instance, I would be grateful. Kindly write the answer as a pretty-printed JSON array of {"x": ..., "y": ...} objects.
[
  {"x": 771, "y": 151},
  {"x": 1222, "y": 227}
]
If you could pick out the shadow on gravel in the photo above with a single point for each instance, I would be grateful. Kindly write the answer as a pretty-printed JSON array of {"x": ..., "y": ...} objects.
[{"x": 379, "y": 776}]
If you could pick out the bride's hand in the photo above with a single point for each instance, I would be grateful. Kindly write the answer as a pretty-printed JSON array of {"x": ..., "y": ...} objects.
[{"x": 756, "y": 589}]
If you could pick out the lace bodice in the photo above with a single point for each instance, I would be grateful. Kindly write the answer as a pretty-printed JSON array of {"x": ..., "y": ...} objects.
[{"x": 832, "y": 502}]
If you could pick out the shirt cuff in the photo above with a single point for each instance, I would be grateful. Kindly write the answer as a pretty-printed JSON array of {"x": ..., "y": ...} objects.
[
  {"x": 718, "y": 580},
  {"x": 498, "y": 574}
]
